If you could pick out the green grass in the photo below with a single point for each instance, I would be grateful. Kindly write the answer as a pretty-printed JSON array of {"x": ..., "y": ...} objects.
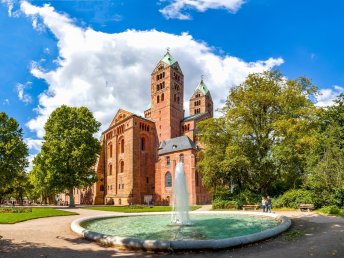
[
  {"x": 11, "y": 218},
  {"x": 292, "y": 235},
  {"x": 331, "y": 210},
  {"x": 129, "y": 209}
]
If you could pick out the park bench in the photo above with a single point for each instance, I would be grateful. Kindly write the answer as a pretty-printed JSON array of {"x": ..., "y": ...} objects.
[
  {"x": 250, "y": 207},
  {"x": 306, "y": 207}
]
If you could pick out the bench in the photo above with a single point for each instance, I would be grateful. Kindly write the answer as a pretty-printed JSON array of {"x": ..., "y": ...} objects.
[
  {"x": 250, "y": 207},
  {"x": 306, "y": 207}
]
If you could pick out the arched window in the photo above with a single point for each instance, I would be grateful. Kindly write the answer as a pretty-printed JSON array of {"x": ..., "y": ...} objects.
[
  {"x": 122, "y": 166},
  {"x": 110, "y": 170},
  {"x": 162, "y": 97},
  {"x": 102, "y": 188},
  {"x": 122, "y": 146},
  {"x": 143, "y": 144},
  {"x": 168, "y": 180},
  {"x": 181, "y": 158}
]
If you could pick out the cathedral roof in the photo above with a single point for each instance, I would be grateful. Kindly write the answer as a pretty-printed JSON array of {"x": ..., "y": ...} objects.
[
  {"x": 168, "y": 58},
  {"x": 202, "y": 88},
  {"x": 176, "y": 144},
  {"x": 193, "y": 117}
]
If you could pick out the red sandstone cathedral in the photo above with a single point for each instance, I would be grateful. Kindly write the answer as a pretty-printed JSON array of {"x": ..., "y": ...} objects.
[{"x": 139, "y": 154}]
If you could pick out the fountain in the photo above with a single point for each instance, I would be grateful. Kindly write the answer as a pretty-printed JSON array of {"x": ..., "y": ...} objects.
[
  {"x": 205, "y": 230},
  {"x": 180, "y": 209}
]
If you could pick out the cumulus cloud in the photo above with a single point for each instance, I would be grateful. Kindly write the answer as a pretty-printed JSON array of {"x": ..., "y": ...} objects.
[
  {"x": 26, "y": 98},
  {"x": 109, "y": 71},
  {"x": 175, "y": 9},
  {"x": 326, "y": 96},
  {"x": 33, "y": 144}
]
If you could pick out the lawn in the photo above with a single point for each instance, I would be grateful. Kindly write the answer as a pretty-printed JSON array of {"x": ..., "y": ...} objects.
[
  {"x": 129, "y": 209},
  {"x": 11, "y": 218}
]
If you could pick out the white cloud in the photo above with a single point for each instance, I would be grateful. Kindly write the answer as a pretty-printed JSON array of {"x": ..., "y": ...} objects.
[
  {"x": 30, "y": 159},
  {"x": 33, "y": 144},
  {"x": 10, "y": 5},
  {"x": 109, "y": 71},
  {"x": 26, "y": 98},
  {"x": 6, "y": 102},
  {"x": 175, "y": 9},
  {"x": 327, "y": 96}
]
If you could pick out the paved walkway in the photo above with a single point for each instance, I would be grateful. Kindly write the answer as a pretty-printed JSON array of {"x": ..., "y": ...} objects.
[{"x": 311, "y": 235}]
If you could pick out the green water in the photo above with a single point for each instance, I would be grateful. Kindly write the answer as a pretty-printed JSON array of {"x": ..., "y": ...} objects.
[{"x": 204, "y": 227}]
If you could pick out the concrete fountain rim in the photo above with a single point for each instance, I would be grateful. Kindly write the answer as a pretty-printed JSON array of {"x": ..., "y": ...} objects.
[{"x": 168, "y": 245}]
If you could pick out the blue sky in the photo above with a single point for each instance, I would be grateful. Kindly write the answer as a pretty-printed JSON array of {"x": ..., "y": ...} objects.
[{"x": 100, "y": 53}]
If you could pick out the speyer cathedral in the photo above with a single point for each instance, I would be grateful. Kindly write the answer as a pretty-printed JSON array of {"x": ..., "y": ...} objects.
[{"x": 139, "y": 154}]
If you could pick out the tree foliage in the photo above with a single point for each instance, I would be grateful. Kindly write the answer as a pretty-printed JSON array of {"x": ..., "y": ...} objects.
[
  {"x": 262, "y": 140},
  {"x": 13, "y": 154},
  {"x": 68, "y": 153},
  {"x": 326, "y": 177}
]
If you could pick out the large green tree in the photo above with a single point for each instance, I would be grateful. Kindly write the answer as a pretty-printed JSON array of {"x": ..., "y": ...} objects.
[
  {"x": 13, "y": 153},
  {"x": 262, "y": 140},
  {"x": 326, "y": 177},
  {"x": 68, "y": 153}
]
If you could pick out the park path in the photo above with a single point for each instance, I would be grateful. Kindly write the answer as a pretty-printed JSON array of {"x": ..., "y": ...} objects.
[{"x": 312, "y": 235}]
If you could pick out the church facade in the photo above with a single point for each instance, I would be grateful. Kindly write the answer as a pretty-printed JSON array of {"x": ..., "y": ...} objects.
[{"x": 139, "y": 154}]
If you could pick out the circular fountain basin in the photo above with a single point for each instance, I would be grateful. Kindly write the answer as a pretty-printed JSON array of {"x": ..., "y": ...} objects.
[{"x": 210, "y": 230}]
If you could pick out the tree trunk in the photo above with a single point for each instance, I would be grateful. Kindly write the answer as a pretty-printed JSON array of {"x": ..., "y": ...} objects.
[{"x": 71, "y": 198}]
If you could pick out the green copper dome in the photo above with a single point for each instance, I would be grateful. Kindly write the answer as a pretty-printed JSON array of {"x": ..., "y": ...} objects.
[
  {"x": 202, "y": 88},
  {"x": 168, "y": 59}
]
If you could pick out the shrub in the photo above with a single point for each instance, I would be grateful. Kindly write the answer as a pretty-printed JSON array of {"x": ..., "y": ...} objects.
[
  {"x": 293, "y": 198},
  {"x": 247, "y": 197},
  {"x": 15, "y": 210},
  {"x": 332, "y": 210},
  {"x": 225, "y": 204}
]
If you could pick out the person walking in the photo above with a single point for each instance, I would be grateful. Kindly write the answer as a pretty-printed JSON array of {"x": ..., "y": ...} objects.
[{"x": 269, "y": 204}]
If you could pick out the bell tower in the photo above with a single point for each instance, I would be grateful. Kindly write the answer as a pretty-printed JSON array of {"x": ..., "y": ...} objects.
[
  {"x": 201, "y": 101},
  {"x": 167, "y": 92}
]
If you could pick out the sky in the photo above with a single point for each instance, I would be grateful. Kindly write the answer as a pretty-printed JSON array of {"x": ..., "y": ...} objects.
[{"x": 100, "y": 54}]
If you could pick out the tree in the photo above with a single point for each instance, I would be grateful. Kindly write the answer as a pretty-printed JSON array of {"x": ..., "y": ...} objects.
[
  {"x": 326, "y": 177},
  {"x": 264, "y": 134},
  {"x": 68, "y": 153},
  {"x": 13, "y": 153}
]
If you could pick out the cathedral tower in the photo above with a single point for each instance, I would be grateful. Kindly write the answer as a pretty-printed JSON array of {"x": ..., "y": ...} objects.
[
  {"x": 201, "y": 101},
  {"x": 167, "y": 92}
]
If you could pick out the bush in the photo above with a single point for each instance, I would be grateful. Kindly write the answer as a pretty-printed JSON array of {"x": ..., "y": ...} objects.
[
  {"x": 15, "y": 210},
  {"x": 332, "y": 210},
  {"x": 225, "y": 204},
  {"x": 293, "y": 198},
  {"x": 247, "y": 197}
]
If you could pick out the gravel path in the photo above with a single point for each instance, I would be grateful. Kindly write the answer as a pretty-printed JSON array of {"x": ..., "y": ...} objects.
[{"x": 311, "y": 235}]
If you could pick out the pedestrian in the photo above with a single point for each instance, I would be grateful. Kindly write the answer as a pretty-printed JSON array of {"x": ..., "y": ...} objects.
[
  {"x": 269, "y": 204},
  {"x": 263, "y": 203}
]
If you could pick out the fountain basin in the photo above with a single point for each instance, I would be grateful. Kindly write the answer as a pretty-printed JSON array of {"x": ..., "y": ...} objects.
[{"x": 143, "y": 240}]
